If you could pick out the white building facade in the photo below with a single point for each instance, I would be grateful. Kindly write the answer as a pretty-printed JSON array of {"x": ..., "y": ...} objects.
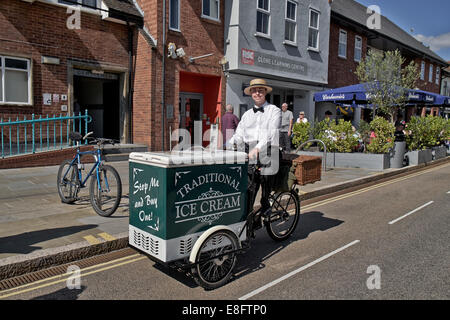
[{"x": 285, "y": 42}]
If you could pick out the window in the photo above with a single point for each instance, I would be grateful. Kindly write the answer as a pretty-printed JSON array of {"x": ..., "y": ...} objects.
[
  {"x": 174, "y": 15},
  {"x": 358, "y": 48},
  {"x": 430, "y": 74},
  {"x": 15, "y": 84},
  {"x": 313, "y": 34},
  {"x": 422, "y": 71},
  {"x": 211, "y": 9},
  {"x": 438, "y": 74},
  {"x": 290, "y": 30},
  {"x": 88, "y": 3},
  {"x": 263, "y": 17},
  {"x": 342, "y": 51}
]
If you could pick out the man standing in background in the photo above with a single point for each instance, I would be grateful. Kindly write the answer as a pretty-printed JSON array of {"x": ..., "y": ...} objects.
[
  {"x": 229, "y": 123},
  {"x": 287, "y": 119}
]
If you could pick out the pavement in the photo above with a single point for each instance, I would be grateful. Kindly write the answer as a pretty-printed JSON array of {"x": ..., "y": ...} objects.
[{"x": 37, "y": 231}]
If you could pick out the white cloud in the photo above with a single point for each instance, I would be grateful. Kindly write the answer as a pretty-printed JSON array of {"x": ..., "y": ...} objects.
[{"x": 435, "y": 42}]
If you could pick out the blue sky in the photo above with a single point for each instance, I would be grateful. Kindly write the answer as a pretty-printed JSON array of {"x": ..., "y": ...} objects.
[{"x": 429, "y": 19}]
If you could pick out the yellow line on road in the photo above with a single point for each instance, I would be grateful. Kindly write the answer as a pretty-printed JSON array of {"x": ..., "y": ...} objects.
[
  {"x": 351, "y": 194},
  {"x": 106, "y": 236},
  {"x": 91, "y": 239},
  {"x": 69, "y": 275}
]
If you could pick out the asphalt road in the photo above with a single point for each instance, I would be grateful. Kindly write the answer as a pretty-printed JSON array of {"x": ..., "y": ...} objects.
[{"x": 387, "y": 241}]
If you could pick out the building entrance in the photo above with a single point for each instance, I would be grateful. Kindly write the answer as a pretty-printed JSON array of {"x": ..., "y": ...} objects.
[{"x": 99, "y": 94}]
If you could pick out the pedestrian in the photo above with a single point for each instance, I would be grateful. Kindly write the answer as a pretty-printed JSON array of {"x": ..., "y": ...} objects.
[
  {"x": 258, "y": 130},
  {"x": 287, "y": 119},
  {"x": 229, "y": 123},
  {"x": 301, "y": 117},
  {"x": 328, "y": 115}
]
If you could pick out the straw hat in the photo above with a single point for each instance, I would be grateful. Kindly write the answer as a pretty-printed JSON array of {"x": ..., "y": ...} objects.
[{"x": 257, "y": 83}]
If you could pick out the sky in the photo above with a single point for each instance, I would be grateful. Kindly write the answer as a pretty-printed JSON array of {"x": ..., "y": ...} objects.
[{"x": 427, "y": 20}]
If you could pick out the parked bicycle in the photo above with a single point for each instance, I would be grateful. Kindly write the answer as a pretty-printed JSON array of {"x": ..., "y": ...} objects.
[{"x": 105, "y": 189}]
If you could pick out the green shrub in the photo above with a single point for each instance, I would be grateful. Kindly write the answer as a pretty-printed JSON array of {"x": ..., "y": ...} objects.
[
  {"x": 338, "y": 137},
  {"x": 384, "y": 136},
  {"x": 426, "y": 132},
  {"x": 301, "y": 133}
]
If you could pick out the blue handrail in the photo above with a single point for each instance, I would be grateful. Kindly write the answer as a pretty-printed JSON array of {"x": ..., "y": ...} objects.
[{"x": 21, "y": 144}]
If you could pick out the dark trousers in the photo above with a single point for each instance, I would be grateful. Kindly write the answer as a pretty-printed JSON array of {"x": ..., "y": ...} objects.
[
  {"x": 285, "y": 141},
  {"x": 265, "y": 182}
]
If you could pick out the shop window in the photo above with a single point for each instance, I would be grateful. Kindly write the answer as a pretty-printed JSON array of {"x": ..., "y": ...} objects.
[
  {"x": 263, "y": 17},
  {"x": 15, "y": 84},
  {"x": 358, "y": 48},
  {"x": 313, "y": 34},
  {"x": 342, "y": 52},
  {"x": 290, "y": 33},
  {"x": 211, "y": 9},
  {"x": 174, "y": 15}
]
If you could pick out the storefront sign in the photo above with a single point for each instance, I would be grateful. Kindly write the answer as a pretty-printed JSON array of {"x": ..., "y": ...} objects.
[{"x": 251, "y": 57}]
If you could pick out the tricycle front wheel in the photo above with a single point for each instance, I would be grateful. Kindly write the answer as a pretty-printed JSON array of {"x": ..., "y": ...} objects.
[{"x": 215, "y": 260}]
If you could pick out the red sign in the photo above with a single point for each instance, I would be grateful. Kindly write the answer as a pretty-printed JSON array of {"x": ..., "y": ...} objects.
[{"x": 248, "y": 56}]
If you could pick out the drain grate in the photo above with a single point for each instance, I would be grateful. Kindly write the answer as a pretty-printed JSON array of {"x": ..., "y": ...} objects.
[{"x": 62, "y": 269}]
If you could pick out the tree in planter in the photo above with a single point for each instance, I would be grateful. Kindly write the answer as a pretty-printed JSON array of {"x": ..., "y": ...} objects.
[
  {"x": 383, "y": 141},
  {"x": 386, "y": 79}
]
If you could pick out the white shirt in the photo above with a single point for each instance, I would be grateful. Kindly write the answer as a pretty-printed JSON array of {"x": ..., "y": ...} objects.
[
  {"x": 260, "y": 127},
  {"x": 304, "y": 120}
]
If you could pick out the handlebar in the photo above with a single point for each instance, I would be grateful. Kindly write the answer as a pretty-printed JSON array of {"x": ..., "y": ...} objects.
[{"x": 76, "y": 136}]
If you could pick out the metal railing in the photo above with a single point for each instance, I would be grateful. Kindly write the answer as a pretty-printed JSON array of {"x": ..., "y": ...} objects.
[{"x": 43, "y": 133}]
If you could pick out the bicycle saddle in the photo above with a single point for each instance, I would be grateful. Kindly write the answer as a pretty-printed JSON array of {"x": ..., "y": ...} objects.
[{"x": 75, "y": 136}]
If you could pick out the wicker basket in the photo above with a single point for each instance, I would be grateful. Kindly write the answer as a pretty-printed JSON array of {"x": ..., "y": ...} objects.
[{"x": 308, "y": 169}]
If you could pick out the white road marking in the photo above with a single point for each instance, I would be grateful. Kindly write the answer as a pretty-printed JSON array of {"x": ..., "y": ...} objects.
[
  {"x": 290, "y": 274},
  {"x": 411, "y": 212}
]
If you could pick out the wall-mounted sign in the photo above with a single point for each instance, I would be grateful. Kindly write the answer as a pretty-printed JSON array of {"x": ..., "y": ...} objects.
[
  {"x": 47, "y": 99},
  {"x": 263, "y": 60}
]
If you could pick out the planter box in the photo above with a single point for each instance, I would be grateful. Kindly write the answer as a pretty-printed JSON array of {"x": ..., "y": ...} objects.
[
  {"x": 362, "y": 160},
  {"x": 417, "y": 157},
  {"x": 353, "y": 160},
  {"x": 439, "y": 152}
]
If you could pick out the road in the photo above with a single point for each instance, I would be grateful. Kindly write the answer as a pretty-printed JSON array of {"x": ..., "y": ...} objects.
[{"x": 386, "y": 241}]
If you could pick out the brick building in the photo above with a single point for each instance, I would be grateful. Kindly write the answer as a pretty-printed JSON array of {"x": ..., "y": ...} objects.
[
  {"x": 180, "y": 81},
  {"x": 350, "y": 39},
  {"x": 53, "y": 51}
]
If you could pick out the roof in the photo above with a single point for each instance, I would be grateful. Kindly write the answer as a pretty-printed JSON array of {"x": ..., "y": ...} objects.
[
  {"x": 123, "y": 9},
  {"x": 357, "y": 12}
]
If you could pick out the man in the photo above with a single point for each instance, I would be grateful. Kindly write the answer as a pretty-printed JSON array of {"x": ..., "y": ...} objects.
[
  {"x": 259, "y": 129},
  {"x": 229, "y": 123},
  {"x": 302, "y": 118},
  {"x": 286, "y": 127}
]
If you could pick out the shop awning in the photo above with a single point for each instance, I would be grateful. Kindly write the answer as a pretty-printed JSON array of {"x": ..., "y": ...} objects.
[{"x": 357, "y": 96}]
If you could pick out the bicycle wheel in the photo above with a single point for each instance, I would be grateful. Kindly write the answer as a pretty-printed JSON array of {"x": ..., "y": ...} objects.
[
  {"x": 284, "y": 216},
  {"x": 216, "y": 259},
  {"x": 105, "y": 194},
  {"x": 68, "y": 182}
]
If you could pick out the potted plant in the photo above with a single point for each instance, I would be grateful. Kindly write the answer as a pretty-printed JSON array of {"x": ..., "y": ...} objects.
[{"x": 419, "y": 139}]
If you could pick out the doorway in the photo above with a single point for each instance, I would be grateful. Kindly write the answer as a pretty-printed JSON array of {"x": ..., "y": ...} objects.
[
  {"x": 99, "y": 94},
  {"x": 191, "y": 110}
]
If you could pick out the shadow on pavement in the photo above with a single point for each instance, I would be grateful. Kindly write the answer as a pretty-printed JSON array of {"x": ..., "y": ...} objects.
[
  {"x": 260, "y": 251},
  {"x": 263, "y": 247},
  {"x": 23, "y": 243},
  {"x": 62, "y": 294}
]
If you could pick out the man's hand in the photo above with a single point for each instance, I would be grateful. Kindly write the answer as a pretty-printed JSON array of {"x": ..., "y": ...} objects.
[{"x": 253, "y": 155}]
